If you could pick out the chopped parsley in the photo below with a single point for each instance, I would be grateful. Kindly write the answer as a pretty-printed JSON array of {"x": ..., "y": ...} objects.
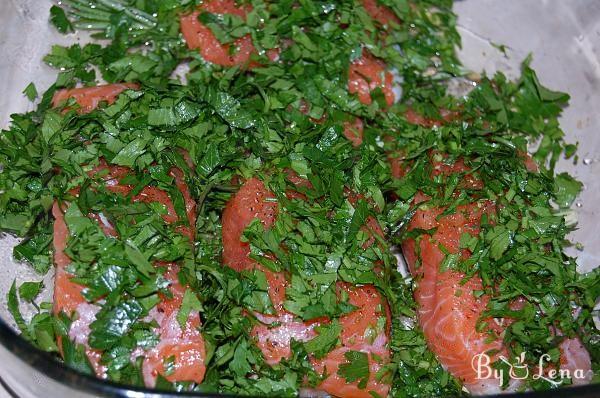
[
  {"x": 356, "y": 368},
  {"x": 281, "y": 119}
]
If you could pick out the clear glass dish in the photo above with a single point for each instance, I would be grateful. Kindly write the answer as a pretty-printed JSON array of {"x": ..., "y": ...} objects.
[{"x": 564, "y": 38}]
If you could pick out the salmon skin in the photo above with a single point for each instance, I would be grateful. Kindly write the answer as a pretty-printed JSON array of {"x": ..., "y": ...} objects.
[
  {"x": 185, "y": 346},
  {"x": 274, "y": 332},
  {"x": 448, "y": 309}
]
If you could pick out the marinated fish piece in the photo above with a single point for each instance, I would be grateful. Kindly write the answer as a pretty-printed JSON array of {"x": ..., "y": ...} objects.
[
  {"x": 368, "y": 73},
  {"x": 199, "y": 36},
  {"x": 364, "y": 330},
  {"x": 448, "y": 309},
  {"x": 88, "y": 98},
  {"x": 185, "y": 346}
]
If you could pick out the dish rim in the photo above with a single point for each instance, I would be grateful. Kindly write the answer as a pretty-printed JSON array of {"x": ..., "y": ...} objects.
[{"x": 48, "y": 365}]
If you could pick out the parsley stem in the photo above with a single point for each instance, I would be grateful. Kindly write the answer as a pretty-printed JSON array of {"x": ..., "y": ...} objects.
[
  {"x": 84, "y": 11},
  {"x": 134, "y": 13}
]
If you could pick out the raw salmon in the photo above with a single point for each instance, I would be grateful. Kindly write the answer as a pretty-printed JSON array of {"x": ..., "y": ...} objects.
[
  {"x": 366, "y": 330},
  {"x": 448, "y": 310},
  {"x": 413, "y": 117},
  {"x": 68, "y": 297},
  {"x": 113, "y": 175},
  {"x": 575, "y": 358},
  {"x": 189, "y": 362},
  {"x": 398, "y": 166},
  {"x": 255, "y": 201},
  {"x": 380, "y": 13},
  {"x": 199, "y": 36},
  {"x": 365, "y": 75},
  {"x": 354, "y": 131},
  {"x": 186, "y": 346},
  {"x": 88, "y": 98}
]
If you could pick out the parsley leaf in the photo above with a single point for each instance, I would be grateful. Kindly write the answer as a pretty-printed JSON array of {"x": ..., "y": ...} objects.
[
  {"x": 189, "y": 303},
  {"x": 356, "y": 368},
  {"x": 13, "y": 307},
  {"x": 566, "y": 189},
  {"x": 325, "y": 341},
  {"x": 28, "y": 291},
  {"x": 112, "y": 324},
  {"x": 59, "y": 19},
  {"x": 30, "y": 92}
]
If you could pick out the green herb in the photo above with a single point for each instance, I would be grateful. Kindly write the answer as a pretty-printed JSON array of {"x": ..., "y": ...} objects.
[
  {"x": 328, "y": 336},
  {"x": 566, "y": 189},
  {"x": 112, "y": 324},
  {"x": 356, "y": 368},
  {"x": 339, "y": 209},
  {"x": 59, "y": 19},
  {"x": 13, "y": 307},
  {"x": 30, "y": 92},
  {"x": 138, "y": 259},
  {"x": 28, "y": 291},
  {"x": 190, "y": 303}
]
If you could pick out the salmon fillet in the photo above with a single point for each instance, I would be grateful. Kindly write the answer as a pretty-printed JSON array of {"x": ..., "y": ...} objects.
[
  {"x": 255, "y": 201},
  {"x": 68, "y": 297},
  {"x": 88, "y": 98},
  {"x": 448, "y": 310},
  {"x": 186, "y": 346},
  {"x": 199, "y": 37},
  {"x": 575, "y": 358},
  {"x": 380, "y": 13},
  {"x": 365, "y": 75}
]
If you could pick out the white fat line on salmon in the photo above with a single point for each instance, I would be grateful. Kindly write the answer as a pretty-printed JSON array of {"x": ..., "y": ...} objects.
[{"x": 519, "y": 370}]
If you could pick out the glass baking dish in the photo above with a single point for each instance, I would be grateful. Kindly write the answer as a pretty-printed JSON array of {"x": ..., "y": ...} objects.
[{"x": 564, "y": 38}]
